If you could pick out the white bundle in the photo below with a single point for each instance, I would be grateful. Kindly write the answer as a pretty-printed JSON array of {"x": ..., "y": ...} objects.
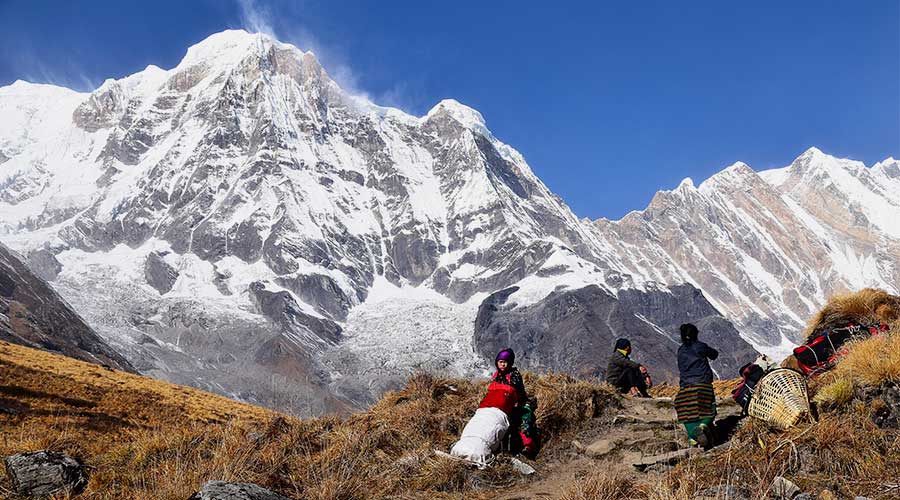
[
  {"x": 481, "y": 436},
  {"x": 765, "y": 363}
]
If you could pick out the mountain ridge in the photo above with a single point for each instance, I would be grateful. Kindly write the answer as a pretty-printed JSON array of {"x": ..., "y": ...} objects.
[{"x": 235, "y": 212}]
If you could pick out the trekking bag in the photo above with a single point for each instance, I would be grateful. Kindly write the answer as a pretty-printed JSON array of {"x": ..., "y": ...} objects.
[
  {"x": 481, "y": 436},
  {"x": 821, "y": 353},
  {"x": 751, "y": 373}
]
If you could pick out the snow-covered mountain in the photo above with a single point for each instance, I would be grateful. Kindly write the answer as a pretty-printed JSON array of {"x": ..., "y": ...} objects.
[
  {"x": 241, "y": 223},
  {"x": 767, "y": 248}
]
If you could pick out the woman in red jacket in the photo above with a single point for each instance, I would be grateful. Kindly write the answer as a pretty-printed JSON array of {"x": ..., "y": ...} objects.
[{"x": 507, "y": 392}]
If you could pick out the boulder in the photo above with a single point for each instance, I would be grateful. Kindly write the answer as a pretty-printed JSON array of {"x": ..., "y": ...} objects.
[
  {"x": 602, "y": 447},
  {"x": 42, "y": 474},
  {"x": 782, "y": 489},
  {"x": 220, "y": 490}
]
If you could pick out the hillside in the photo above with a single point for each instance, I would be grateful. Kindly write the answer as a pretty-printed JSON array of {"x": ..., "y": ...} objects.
[{"x": 152, "y": 440}]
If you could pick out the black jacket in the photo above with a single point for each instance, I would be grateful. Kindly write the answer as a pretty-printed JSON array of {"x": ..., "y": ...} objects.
[
  {"x": 618, "y": 366},
  {"x": 693, "y": 363}
]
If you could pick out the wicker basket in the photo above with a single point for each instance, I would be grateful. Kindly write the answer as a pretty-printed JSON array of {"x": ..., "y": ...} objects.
[{"x": 780, "y": 398}]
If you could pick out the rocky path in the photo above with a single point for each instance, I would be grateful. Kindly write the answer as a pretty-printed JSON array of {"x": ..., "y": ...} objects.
[{"x": 641, "y": 438}]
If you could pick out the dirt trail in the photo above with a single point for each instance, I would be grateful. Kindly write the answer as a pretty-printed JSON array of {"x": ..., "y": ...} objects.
[{"x": 640, "y": 431}]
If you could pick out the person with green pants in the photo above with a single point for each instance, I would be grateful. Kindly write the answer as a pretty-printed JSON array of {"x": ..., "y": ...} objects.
[{"x": 695, "y": 403}]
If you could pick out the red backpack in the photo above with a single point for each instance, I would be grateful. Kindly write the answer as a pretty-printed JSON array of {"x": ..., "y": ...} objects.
[
  {"x": 820, "y": 354},
  {"x": 500, "y": 396}
]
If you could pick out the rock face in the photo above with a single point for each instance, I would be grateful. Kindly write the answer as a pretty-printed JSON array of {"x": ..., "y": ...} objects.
[
  {"x": 33, "y": 314},
  {"x": 574, "y": 330},
  {"x": 220, "y": 490},
  {"x": 158, "y": 273},
  {"x": 42, "y": 474}
]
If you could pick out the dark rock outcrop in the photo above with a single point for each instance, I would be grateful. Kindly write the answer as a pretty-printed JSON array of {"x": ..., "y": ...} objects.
[
  {"x": 574, "y": 330},
  {"x": 220, "y": 490},
  {"x": 34, "y": 315},
  {"x": 281, "y": 308},
  {"x": 158, "y": 273},
  {"x": 42, "y": 474}
]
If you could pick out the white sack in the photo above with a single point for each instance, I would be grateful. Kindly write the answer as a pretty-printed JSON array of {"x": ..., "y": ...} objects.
[{"x": 481, "y": 436}]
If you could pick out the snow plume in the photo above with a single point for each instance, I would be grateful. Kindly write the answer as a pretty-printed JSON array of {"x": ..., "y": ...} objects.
[
  {"x": 33, "y": 69},
  {"x": 256, "y": 18},
  {"x": 280, "y": 21}
]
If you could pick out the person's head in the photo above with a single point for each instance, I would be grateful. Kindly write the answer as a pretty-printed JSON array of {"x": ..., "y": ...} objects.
[
  {"x": 505, "y": 359},
  {"x": 688, "y": 333},
  {"x": 623, "y": 345}
]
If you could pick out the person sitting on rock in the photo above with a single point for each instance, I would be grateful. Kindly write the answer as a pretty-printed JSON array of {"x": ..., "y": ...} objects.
[
  {"x": 626, "y": 375},
  {"x": 695, "y": 403}
]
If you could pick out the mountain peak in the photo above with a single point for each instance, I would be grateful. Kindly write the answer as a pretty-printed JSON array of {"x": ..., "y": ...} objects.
[
  {"x": 466, "y": 116},
  {"x": 232, "y": 46}
]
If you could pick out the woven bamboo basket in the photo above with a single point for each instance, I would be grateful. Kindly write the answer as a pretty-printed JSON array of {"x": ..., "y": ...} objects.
[{"x": 780, "y": 398}]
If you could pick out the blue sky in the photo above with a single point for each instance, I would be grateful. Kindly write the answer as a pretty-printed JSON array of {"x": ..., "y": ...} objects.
[{"x": 608, "y": 101}]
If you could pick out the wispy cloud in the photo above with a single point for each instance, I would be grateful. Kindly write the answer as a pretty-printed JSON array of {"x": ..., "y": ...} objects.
[{"x": 68, "y": 75}]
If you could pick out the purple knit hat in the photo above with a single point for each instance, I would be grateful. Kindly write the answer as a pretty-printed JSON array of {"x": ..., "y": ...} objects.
[{"x": 507, "y": 355}]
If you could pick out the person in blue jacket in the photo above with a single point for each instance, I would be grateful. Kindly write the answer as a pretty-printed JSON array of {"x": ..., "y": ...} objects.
[{"x": 695, "y": 403}]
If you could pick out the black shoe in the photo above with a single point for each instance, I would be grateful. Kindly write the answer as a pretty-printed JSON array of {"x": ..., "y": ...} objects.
[{"x": 704, "y": 436}]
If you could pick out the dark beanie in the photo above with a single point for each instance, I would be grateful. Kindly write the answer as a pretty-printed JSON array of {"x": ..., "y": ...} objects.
[
  {"x": 623, "y": 344},
  {"x": 507, "y": 355},
  {"x": 688, "y": 332}
]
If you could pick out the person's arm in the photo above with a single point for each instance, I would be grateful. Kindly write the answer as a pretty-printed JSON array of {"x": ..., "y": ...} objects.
[
  {"x": 632, "y": 364},
  {"x": 709, "y": 352}
]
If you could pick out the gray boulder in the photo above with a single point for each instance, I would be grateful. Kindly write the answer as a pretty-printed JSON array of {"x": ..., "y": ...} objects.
[
  {"x": 783, "y": 489},
  {"x": 220, "y": 490},
  {"x": 42, "y": 474}
]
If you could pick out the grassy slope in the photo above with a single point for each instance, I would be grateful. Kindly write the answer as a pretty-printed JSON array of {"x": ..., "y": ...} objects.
[{"x": 147, "y": 439}]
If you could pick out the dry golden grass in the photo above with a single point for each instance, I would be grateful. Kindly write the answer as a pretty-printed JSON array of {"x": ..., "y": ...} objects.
[
  {"x": 866, "y": 306},
  {"x": 599, "y": 484},
  {"x": 869, "y": 362},
  {"x": 65, "y": 393},
  {"x": 146, "y": 439}
]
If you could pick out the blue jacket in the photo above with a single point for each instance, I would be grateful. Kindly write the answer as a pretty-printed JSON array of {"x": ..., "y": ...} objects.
[{"x": 693, "y": 363}]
